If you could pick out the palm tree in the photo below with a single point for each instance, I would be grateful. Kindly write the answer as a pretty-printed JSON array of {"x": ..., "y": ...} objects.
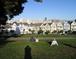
[{"x": 70, "y": 22}]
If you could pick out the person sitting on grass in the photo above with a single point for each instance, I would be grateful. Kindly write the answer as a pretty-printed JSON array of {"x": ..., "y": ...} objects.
[
  {"x": 32, "y": 39},
  {"x": 36, "y": 40},
  {"x": 54, "y": 42}
]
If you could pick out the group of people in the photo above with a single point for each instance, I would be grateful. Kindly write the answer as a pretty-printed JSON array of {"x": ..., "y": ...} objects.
[
  {"x": 33, "y": 39},
  {"x": 53, "y": 42}
]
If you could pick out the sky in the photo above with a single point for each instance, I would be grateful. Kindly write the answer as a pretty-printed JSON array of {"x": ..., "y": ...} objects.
[{"x": 52, "y": 9}]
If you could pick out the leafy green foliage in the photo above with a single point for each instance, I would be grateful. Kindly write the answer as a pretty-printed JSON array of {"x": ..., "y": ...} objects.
[
  {"x": 11, "y": 8},
  {"x": 70, "y": 22},
  {"x": 38, "y": 0},
  {"x": 61, "y": 31},
  {"x": 40, "y": 31},
  {"x": 47, "y": 32},
  {"x": 55, "y": 31}
]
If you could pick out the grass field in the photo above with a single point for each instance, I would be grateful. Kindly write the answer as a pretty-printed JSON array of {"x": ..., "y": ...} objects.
[
  {"x": 49, "y": 36},
  {"x": 14, "y": 49}
]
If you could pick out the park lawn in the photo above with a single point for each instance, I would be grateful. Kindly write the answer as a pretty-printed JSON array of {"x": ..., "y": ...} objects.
[
  {"x": 40, "y": 50},
  {"x": 48, "y": 36}
]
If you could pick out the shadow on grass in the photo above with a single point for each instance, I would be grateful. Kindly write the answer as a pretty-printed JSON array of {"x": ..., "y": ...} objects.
[
  {"x": 4, "y": 41},
  {"x": 69, "y": 45},
  {"x": 27, "y": 53}
]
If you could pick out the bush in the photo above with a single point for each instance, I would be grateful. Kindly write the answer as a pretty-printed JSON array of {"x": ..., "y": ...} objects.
[
  {"x": 54, "y": 31},
  {"x": 69, "y": 32},
  {"x": 47, "y": 32},
  {"x": 61, "y": 31},
  {"x": 74, "y": 32},
  {"x": 40, "y": 31}
]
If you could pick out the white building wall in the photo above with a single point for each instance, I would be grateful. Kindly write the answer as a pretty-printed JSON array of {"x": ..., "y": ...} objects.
[
  {"x": 56, "y": 25},
  {"x": 53, "y": 27},
  {"x": 73, "y": 26},
  {"x": 59, "y": 26},
  {"x": 66, "y": 26}
]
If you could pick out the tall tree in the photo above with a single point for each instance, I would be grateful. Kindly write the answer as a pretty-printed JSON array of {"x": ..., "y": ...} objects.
[{"x": 11, "y": 8}]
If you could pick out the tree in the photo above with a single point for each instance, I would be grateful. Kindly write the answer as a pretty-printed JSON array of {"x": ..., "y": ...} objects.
[
  {"x": 40, "y": 31},
  {"x": 32, "y": 31},
  {"x": 61, "y": 31},
  {"x": 11, "y": 8},
  {"x": 47, "y": 32},
  {"x": 55, "y": 31},
  {"x": 70, "y": 22},
  {"x": 38, "y": 0}
]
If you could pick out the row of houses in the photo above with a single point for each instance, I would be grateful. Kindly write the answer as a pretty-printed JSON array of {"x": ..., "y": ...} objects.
[{"x": 29, "y": 26}]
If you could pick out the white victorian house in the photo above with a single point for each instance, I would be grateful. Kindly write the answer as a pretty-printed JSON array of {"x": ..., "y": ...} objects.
[
  {"x": 56, "y": 26},
  {"x": 73, "y": 26},
  {"x": 45, "y": 27},
  {"x": 66, "y": 26},
  {"x": 27, "y": 26}
]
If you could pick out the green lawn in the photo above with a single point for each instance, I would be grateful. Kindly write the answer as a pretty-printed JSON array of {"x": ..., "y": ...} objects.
[
  {"x": 58, "y": 36},
  {"x": 41, "y": 50}
]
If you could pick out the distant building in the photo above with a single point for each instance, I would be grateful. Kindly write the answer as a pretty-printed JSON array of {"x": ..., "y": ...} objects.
[
  {"x": 56, "y": 25},
  {"x": 73, "y": 26},
  {"x": 29, "y": 26},
  {"x": 66, "y": 26}
]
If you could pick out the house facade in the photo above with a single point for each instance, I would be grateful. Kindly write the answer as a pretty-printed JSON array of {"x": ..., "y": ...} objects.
[
  {"x": 33, "y": 26},
  {"x": 56, "y": 26},
  {"x": 73, "y": 26}
]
